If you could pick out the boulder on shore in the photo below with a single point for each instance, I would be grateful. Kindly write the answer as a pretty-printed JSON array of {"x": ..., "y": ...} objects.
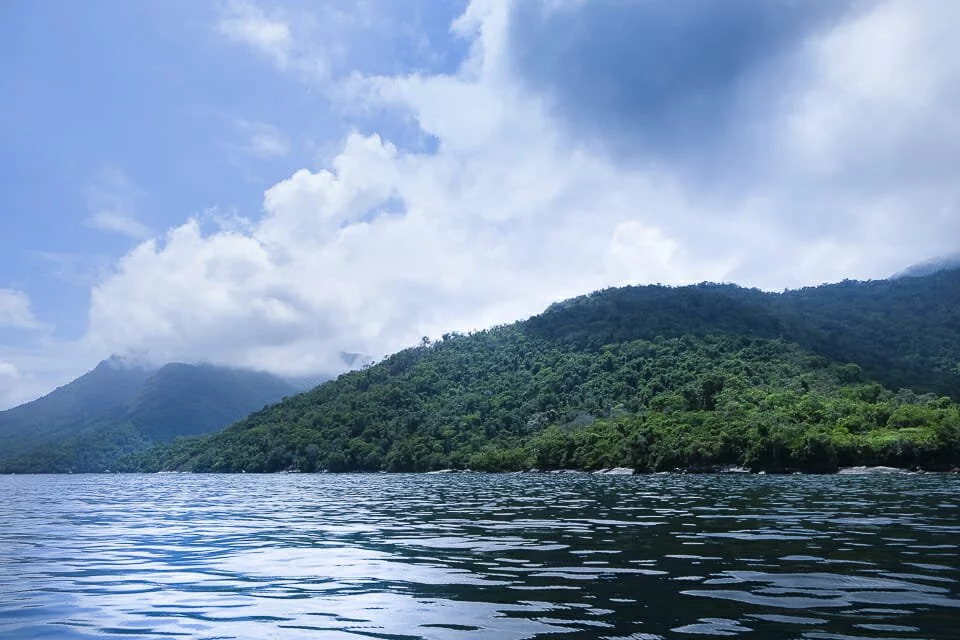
[
  {"x": 858, "y": 471},
  {"x": 619, "y": 471}
]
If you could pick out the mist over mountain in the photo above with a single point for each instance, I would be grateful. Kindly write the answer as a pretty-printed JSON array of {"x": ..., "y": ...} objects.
[
  {"x": 124, "y": 405},
  {"x": 928, "y": 267}
]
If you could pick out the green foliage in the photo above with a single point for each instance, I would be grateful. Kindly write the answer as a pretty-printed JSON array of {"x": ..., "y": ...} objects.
[
  {"x": 901, "y": 332},
  {"x": 904, "y": 333},
  {"x": 503, "y": 400},
  {"x": 93, "y": 449},
  {"x": 654, "y": 378}
]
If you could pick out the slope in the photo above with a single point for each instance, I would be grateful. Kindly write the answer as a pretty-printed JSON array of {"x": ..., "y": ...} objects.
[
  {"x": 651, "y": 377},
  {"x": 183, "y": 400},
  {"x": 904, "y": 332},
  {"x": 119, "y": 408},
  {"x": 103, "y": 393}
]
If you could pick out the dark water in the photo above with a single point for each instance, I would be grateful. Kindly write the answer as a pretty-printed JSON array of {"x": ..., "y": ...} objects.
[{"x": 477, "y": 556}]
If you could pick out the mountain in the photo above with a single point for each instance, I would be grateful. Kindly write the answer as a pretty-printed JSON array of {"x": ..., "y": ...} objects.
[
  {"x": 122, "y": 406},
  {"x": 945, "y": 263},
  {"x": 903, "y": 332},
  {"x": 305, "y": 383},
  {"x": 100, "y": 395},
  {"x": 655, "y": 378}
]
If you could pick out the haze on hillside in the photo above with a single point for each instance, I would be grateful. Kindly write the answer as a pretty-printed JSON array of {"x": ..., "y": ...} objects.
[{"x": 121, "y": 407}]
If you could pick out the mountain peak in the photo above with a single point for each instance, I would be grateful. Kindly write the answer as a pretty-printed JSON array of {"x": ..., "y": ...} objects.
[
  {"x": 127, "y": 362},
  {"x": 124, "y": 404},
  {"x": 929, "y": 267}
]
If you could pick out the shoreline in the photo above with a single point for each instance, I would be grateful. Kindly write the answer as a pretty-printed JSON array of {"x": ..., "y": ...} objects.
[{"x": 616, "y": 471}]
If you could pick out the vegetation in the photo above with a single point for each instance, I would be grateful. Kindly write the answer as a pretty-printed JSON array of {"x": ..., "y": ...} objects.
[
  {"x": 654, "y": 378},
  {"x": 118, "y": 409}
]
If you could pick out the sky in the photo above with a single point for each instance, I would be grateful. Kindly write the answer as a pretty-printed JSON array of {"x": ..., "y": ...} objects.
[{"x": 274, "y": 184}]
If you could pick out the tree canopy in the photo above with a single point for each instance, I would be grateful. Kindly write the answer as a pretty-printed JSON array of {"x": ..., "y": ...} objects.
[{"x": 655, "y": 378}]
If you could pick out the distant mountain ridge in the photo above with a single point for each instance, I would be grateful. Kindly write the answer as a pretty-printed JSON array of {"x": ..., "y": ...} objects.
[
  {"x": 109, "y": 386},
  {"x": 124, "y": 405}
]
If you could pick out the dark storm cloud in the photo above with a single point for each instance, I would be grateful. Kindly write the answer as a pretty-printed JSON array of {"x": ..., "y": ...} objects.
[{"x": 659, "y": 78}]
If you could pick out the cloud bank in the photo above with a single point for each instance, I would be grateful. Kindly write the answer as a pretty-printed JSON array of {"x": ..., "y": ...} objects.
[
  {"x": 15, "y": 310},
  {"x": 577, "y": 146},
  {"x": 835, "y": 164}
]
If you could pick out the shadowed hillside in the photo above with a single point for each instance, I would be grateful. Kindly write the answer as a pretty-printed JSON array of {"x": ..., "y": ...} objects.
[{"x": 119, "y": 408}]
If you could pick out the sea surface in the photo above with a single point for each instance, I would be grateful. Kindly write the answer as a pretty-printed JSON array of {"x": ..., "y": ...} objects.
[{"x": 470, "y": 556}]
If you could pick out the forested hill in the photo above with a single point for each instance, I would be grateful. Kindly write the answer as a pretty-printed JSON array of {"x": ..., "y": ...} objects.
[
  {"x": 120, "y": 407},
  {"x": 654, "y": 378},
  {"x": 904, "y": 332}
]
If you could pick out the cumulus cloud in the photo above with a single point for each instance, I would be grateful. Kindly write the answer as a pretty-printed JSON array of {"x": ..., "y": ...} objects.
[
  {"x": 111, "y": 198},
  {"x": 518, "y": 206},
  {"x": 15, "y": 310},
  {"x": 336, "y": 264}
]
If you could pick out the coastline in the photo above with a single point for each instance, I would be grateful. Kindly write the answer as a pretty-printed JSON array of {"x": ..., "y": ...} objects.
[{"x": 616, "y": 471}]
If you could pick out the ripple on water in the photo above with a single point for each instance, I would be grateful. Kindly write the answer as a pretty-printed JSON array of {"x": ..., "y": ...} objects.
[{"x": 476, "y": 556}]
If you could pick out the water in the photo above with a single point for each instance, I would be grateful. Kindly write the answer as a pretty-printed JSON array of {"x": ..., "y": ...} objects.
[{"x": 478, "y": 556}]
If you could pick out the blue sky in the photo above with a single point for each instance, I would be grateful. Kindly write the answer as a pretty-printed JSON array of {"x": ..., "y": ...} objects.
[{"x": 269, "y": 184}]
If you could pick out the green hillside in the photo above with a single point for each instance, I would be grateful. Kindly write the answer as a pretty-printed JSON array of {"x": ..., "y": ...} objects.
[
  {"x": 118, "y": 408},
  {"x": 654, "y": 378},
  {"x": 100, "y": 395}
]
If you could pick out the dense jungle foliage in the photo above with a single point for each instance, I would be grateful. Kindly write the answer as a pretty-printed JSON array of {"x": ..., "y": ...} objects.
[{"x": 655, "y": 378}]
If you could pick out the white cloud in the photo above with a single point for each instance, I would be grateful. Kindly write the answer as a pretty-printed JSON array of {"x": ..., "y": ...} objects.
[
  {"x": 854, "y": 175},
  {"x": 26, "y": 372},
  {"x": 320, "y": 41},
  {"x": 15, "y": 310},
  {"x": 274, "y": 36},
  {"x": 9, "y": 385},
  {"x": 389, "y": 245},
  {"x": 510, "y": 213},
  {"x": 244, "y": 22},
  {"x": 111, "y": 198},
  {"x": 29, "y": 372}
]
